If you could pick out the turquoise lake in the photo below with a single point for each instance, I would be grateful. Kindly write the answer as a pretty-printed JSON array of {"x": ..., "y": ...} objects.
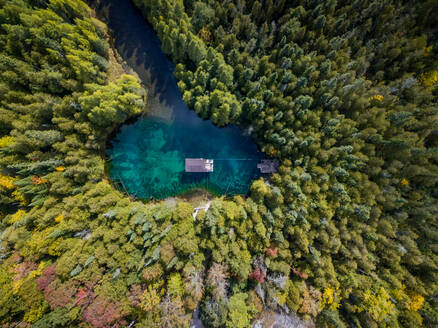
[{"x": 147, "y": 156}]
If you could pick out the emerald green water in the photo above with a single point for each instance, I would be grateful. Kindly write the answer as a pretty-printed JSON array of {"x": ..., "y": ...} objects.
[{"x": 147, "y": 157}]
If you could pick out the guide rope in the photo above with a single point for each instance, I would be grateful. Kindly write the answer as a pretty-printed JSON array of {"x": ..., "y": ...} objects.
[{"x": 215, "y": 159}]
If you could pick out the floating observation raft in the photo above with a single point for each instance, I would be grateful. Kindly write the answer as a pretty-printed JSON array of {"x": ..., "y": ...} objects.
[
  {"x": 199, "y": 165},
  {"x": 268, "y": 166},
  {"x": 202, "y": 165}
]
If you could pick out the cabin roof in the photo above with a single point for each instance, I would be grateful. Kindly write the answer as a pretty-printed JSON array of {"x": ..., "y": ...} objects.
[
  {"x": 199, "y": 165},
  {"x": 268, "y": 166}
]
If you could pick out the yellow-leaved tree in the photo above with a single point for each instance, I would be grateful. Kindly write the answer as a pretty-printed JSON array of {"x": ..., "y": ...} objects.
[
  {"x": 331, "y": 298},
  {"x": 378, "y": 305}
]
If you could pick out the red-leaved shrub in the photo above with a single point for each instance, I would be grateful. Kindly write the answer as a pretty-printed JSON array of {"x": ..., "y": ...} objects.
[
  {"x": 258, "y": 275},
  {"x": 103, "y": 312},
  {"x": 47, "y": 276},
  {"x": 272, "y": 252},
  {"x": 60, "y": 294},
  {"x": 84, "y": 297},
  {"x": 300, "y": 274}
]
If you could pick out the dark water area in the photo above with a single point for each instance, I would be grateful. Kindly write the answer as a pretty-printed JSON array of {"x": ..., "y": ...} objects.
[{"x": 147, "y": 156}]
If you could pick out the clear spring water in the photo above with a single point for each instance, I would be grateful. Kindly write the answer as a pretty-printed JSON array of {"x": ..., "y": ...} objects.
[{"x": 147, "y": 157}]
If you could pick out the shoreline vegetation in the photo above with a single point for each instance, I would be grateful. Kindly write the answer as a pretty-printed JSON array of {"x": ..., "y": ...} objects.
[
  {"x": 171, "y": 136},
  {"x": 118, "y": 67},
  {"x": 344, "y": 235}
]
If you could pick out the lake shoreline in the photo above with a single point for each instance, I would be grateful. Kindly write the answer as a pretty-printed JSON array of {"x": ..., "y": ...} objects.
[{"x": 146, "y": 154}]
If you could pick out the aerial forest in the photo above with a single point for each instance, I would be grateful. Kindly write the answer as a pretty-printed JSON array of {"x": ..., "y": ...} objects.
[{"x": 344, "y": 94}]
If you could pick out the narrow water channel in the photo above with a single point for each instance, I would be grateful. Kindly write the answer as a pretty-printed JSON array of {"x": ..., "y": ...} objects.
[{"x": 147, "y": 157}]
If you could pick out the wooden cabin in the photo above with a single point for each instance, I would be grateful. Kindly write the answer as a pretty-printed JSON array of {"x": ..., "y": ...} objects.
[
  {"x": 199, "y": 165},
  {"x": 268, "y": 166}
]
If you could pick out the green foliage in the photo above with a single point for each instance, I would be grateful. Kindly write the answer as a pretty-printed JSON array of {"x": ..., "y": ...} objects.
[
  {"x": 377, "y": 304},
  {"x": 259, "y": 190},
  {"x": 343, "y": 94},
  {"x": 59, "y": 317},
  {"x": 239, "y": 313},
  {"x": 112, "y": 103},
  {"x": 329, "y": 89},
  {"x": 9, "y": 307},
  {"x": 175, "y": 285},
  {"x": 53, "y": 64}
]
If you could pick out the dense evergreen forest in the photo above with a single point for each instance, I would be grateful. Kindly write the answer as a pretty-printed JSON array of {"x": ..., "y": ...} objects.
[{"x": 343, "y": 93}]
